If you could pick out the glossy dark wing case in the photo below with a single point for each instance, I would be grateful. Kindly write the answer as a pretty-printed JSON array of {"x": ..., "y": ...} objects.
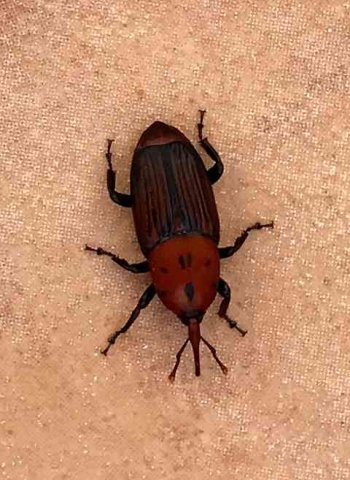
[{"x": 171, "y": 194}]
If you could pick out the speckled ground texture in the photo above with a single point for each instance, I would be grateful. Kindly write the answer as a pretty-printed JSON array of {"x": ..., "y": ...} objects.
[{"x": 274, "y": 78}]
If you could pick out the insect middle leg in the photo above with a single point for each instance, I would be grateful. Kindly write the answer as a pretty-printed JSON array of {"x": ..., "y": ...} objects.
[
  {"x": 144, "y": 301},
  {"x": 141, "y": 267},
  {"x": 120, "y": 198},
  {"x": 225, "y": 252},
  {"x": 215, "y": 172}
]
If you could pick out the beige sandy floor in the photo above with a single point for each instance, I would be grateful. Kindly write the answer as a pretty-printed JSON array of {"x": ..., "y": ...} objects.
[{"x": 274, "y": 78}]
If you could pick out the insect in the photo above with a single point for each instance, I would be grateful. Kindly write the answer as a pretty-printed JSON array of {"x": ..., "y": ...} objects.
[{"x": 178, "y": 230}]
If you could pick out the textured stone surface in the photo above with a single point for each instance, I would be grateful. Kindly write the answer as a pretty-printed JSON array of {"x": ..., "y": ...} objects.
[{"x": 274, "y": 78}]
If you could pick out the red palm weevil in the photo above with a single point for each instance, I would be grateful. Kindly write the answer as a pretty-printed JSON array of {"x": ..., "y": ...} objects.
[{"x": 178, "y": 230}]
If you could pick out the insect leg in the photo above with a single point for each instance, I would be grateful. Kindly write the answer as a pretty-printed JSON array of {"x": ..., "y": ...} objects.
[
  {"x": 215, "y": 172},
  {"x": 225, "y": 252},
  {"x": 120, "y": 198},
  {"x": 225, "y": 291},
  {"x": 141, "y": 267},
  {"x": 144, "y": 301}
]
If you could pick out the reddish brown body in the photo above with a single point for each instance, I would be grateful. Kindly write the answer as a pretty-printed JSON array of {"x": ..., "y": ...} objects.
[
  {"x": 176, "y": 220},
  {"x": 177, "y": 226}
]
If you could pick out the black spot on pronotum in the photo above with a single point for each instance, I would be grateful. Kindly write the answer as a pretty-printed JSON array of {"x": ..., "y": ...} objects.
[
  {"x": 163, "y": 270},
  {"x": 182, "y": 262},
  {"x": 185, "y": 261},
  {"x": 189, "y": 290}
]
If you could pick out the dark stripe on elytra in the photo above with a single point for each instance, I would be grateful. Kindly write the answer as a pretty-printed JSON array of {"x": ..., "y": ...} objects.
[
  {"x": 179, "y": 211},
  {"x": 184, "y": 210},
  {"x": 182, "y": 175},
  {"x": 189, "y": 290}
]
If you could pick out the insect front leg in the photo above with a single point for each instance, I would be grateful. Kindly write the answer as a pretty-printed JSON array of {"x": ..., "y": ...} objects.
[{"x": 225, "y": 252}]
